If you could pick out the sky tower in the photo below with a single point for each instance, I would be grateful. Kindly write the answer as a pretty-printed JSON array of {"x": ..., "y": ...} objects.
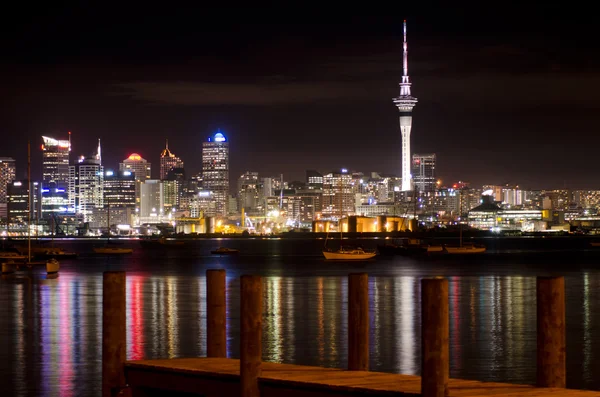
[{"x": 405, "y": 103}]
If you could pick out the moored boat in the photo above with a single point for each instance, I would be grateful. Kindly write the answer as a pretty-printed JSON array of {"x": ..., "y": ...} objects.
[
  {"x": 108, "y": 250},
  {"x": 225, "y": 251},
  {"x": 466, "y": 248},
  {"x": 349, "y": 254}
]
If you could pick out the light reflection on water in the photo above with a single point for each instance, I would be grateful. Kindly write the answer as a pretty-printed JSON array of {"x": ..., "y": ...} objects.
[{"x": 50, "y": 329}]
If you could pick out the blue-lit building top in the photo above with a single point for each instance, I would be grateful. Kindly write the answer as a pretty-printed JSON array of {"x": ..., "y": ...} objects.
[
  {"x": 218, "y": 137},
  {"x": 215, "y": 170}
]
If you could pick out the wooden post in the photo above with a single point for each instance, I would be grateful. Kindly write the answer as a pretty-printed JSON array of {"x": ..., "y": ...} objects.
[
  {"x": 251, "y": 335},
  {"x": 358, "y": 322},
  {"x": 113, "y": 333},
  {"x": 216, "y": 305},
  {"x": 435, "y": 361},
  {"x": 551, "y": 335}
]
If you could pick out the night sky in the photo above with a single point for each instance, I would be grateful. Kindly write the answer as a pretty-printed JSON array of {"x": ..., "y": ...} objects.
[{"x": 506, "y": 95}]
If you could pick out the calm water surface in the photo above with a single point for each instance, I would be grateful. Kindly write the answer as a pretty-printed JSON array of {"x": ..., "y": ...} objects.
[{"x": 50, "y": 329}]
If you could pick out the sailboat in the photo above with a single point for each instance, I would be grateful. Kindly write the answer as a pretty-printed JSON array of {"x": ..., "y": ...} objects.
[
  {"x": 111, "y": 249},
  {"x": 464, "y": 248},
  {"x": 346, "y": 253},
  {"x": 52, "y": 265}
]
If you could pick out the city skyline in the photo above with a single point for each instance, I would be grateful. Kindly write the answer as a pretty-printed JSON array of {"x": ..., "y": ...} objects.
[{"x": 496, "y": 94}]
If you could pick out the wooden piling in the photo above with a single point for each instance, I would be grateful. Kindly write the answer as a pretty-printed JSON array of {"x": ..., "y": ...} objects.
[
  {"x": 216, "y": 316},
  {"x": 251, "y": 335},
  {"x": 358, "y": 322},
  {"x": 113, "y": 333},
  {"x": 435, "y": 359},
  {"x": 551, "y": 335}
]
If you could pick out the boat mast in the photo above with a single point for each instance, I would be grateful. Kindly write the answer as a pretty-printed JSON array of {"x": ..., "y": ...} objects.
[
  {"x": 341, "y": 209},
  {"x": 29, "y": 184}
]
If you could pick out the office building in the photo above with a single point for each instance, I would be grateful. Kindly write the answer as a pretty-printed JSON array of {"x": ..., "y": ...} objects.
[
  {"x": 19, "y": 204},
  {"x": 423, "y": 172},
  {"x": 8, "y": 170},
  {"x": 151, "y": 198},
  {"x": 86, "y": 185},
  {"x": 168, "y": 161},
  {"x": 119, "y": 188},
  {"x": 215, "y": 171},
  {"x": 249, "y": 192},
  {"x": 338, "y": 197},
  {"x": 138, "y": 165},
  {"x": 55, "y": 162}
]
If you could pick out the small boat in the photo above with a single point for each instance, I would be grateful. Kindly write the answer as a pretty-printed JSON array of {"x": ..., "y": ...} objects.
[
  {"x": 55, "y": 253},
  {"x": 225, "y": 251},
  {"x": 12, "y": 255},
  {"x": 52, "y": 266},
  {"x": 108, "y": 250},
  {"x": 349, "y": 254},
  {"x": 466, "y": 248},
  {"x": 595, "y": 243},
  {"x": 434, "y": 249}
]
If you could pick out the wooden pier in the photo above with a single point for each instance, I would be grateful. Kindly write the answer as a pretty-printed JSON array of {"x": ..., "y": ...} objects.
[{"x": 217, "y": 375}]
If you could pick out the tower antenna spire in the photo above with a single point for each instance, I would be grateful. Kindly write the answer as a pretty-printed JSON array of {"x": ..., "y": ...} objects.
[
  {"x": 405, "y": 54},
  {"x": 167, "y": 144}
]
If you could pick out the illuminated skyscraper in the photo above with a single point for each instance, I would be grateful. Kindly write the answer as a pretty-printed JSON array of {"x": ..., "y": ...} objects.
[
  {"x": 215, "y": 170},
  {"x": 423, "y": 172},
  {"x": 86, "y": 186},
  {"x": 138, "y": 165},
  {"x": 7, "y": 175},
  {"x": 405, "y": 103},
  {"x": 168, "y": 161},
  {"x": 55, "y": 162}
]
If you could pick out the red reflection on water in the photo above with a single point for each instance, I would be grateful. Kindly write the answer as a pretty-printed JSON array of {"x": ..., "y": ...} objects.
[
  {"x": 64, "y": 306},
  {"x": 135, "y": 317}
]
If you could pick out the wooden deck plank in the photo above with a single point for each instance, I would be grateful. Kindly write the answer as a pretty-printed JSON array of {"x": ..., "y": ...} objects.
[{"x": 218, "y": 375}]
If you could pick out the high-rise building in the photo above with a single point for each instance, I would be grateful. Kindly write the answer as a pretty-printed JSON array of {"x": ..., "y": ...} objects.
[
  {"x": 86, "y": 185},
  {"x": 338, "y": 198},
  {"x": 119, "y": 188},
  {"x": 249, "y": 192},
  {"x": 19, "y": 204},
  {"x": 215, "y": 170},
  {"x": 138, "y": 165},
  {"x": 8, "y": 170},
  {"x": 405, "y": 103},
  {"x": 151, "y": 198},
  {"x": 168, "y": 161},
  {"x": 314, "y": 179},
  {"x": 423, "y": 172},
  {"x": 55, "y": 162}
]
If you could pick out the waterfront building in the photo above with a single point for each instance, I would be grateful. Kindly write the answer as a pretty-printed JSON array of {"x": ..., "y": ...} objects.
[
  {"x": 215, "y": 171},
  {"x": 168, "y": 161},
  {"x": 405, "y": 103}
]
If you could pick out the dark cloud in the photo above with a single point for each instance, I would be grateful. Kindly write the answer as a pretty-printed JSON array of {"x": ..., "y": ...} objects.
[{"x": 259, "y": 94}]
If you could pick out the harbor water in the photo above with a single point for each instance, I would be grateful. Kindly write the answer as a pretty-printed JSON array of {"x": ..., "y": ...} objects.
[{"x": 50, "y": 328}]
